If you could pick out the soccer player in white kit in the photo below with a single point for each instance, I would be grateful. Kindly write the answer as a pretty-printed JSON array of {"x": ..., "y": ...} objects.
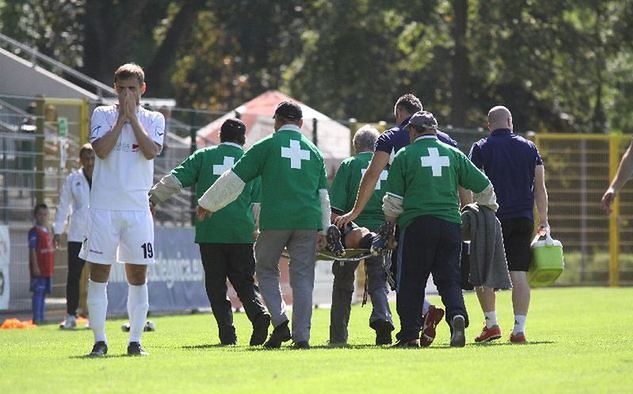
[{"x": 126, "y": 137}]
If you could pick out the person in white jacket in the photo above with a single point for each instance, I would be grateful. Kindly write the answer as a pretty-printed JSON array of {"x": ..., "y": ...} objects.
[{"x": 73, "y": 208}]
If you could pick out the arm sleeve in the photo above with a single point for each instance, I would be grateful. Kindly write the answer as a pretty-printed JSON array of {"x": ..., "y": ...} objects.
[
  {"x": 250, "y": 165},
  {"x": 256, "y": 208},
  {"x": 32, "y": 239},
  {"x": 392, "y": 205},
  {"x": 339, "y": 193},
  {"x": 98, "y": 125},
  {"x": 165, "y": 188},
  {"x": 224, "y": 191},
  {"x": 383, "y": 144},
  {"x": 487, "y": 198},
  {"x": 256, "y": 198},
  {"x": 188, "y": 171},
  {"x": 475, "y": 156},
  {"x": 157, "y": 128},
  {"x": 256, "y": 191},
  {"x": 325, "y": 210},
  {"x": 471, "y": 177},
  {"x": 63, "y": 208},
  {"x": 396, "y": 179}
]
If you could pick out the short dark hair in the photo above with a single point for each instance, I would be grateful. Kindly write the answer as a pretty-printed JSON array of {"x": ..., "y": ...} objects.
[
  {"x": 289, "y": 110},
  {"x": 38, "y": 207},
  {"x": 409, "y": 103},
  {"x": 87, "y": 147},
  {"x": 233, "y": 130}
]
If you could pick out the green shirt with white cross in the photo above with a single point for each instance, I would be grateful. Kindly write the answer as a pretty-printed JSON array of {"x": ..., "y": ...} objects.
[
  {"x": 345, "y": 188},
  {"x": 233, "y": 223},
  {"x": 292, "y": 172},
  {"x": 426, "y": 175}
]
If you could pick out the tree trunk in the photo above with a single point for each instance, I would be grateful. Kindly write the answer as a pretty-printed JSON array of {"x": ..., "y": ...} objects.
[
  {"x": 460, "y": 77},
  {"x": 156, "y": 73}
]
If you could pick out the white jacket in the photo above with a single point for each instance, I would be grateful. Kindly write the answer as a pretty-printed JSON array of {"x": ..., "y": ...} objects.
[{"x": 75, "y": 197}]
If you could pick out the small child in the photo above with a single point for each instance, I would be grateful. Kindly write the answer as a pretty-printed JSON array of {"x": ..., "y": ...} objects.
[{"x": 41, "y": 261}]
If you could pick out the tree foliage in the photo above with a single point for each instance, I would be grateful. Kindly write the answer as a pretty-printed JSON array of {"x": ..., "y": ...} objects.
[{"x": 559, "y": 65}]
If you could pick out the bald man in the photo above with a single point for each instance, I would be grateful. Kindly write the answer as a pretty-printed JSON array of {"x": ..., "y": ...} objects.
[{"x": 515, "y": 168}]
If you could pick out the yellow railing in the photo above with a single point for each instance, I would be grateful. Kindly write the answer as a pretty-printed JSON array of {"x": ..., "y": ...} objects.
[{"x": 579, "y": 168}]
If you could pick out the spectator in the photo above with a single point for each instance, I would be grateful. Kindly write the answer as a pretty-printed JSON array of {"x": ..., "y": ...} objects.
[
  {"x": 74, "y": 202},
  {"x": 41, "y": 261}
]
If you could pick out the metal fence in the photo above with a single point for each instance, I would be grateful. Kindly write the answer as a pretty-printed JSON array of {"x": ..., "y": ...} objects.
[{"x": 36, "y": 158}]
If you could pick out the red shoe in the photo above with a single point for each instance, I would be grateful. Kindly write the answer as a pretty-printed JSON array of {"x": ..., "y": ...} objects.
[
  {"x": 431, "y": 320},
  {"x": 489, "y": 334},
  {"x": 518, "y": 338}
]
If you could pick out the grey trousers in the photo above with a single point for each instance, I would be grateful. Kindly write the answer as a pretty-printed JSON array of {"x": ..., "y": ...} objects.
[
  {"x": 301, "y": 245},
  {"x": 344, "y": 288}
]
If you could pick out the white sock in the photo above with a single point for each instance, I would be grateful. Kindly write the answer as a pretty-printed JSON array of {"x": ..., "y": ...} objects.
[
  {"x": 425, "y": 307},
  {"x": 137, "y": 306},
  {"x": 97, "y": 308},
  {"x": 519, "y": 324},
  {"x": 491, "y": 319}
]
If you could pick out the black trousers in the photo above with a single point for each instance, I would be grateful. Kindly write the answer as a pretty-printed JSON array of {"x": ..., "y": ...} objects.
[
  {"x": 429, "y": 245},
  {"x": 237, "y": 263},
  {"x": 75, "y": 266}
]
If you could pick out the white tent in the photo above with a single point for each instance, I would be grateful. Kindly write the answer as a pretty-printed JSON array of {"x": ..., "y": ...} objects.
[{"x": 332, "y": 138}]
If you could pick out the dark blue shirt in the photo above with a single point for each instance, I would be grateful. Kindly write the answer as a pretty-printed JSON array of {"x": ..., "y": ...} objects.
[
  {"x": 396, "y": 138},
  {"x": 509, "y": 161}
]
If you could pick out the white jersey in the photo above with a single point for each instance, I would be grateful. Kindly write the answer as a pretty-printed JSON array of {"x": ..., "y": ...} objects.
[
  {"x": 74, "y": 200},
  {"x": 122, "y": 180}
]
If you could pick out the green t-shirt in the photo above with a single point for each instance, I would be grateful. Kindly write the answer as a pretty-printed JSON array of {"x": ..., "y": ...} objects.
[
  {"x": 345, "y": 188},
  {"x": 233, "y": 223},
  {"x": 426, "y": 175},
  {"x": 292, "y": 171}
]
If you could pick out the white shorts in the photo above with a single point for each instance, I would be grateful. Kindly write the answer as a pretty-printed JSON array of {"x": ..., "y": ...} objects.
[{"x": 123, "y": 236}]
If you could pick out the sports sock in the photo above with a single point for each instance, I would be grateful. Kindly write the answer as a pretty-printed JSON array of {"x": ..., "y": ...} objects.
[
  {"x": 97, "y": 301},
  {"x": 137, "y": 306},
  {"x": 491, "y": 319},
  {"x": 425, "y": 306},
  {"x": 519, "y": 324}
]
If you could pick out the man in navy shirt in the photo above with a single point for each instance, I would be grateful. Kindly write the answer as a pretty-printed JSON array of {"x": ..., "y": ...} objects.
[
  {"x": 390, "y": 142},
  {"x": 515, "y": 168}
]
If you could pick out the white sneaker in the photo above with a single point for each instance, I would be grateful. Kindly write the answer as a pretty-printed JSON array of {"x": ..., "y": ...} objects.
[{"x": 69, "y": 324}]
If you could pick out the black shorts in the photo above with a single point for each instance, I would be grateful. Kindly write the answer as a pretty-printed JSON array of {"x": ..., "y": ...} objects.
[{"x": 517, "y": 236}]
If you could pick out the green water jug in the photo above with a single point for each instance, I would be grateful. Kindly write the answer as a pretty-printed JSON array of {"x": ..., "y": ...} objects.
[{"x": 547, "y": 261}]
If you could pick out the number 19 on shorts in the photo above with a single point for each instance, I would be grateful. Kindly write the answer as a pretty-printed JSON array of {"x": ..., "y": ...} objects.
[{"x": 148, "y": 251}]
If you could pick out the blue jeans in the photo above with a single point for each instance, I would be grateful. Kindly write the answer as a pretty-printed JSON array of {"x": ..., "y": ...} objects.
[{"x": 40, "y": 286}]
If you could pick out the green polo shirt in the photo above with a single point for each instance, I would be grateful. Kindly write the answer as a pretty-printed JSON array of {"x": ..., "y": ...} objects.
[
  {"x": 233, "y": 223},
  {"x": 345, "y": 188},
  {"x": 426, "y": 174},
  {"x": 292, "y": 171}
]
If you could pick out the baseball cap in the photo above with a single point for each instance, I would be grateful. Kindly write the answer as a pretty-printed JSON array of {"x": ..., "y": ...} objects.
[
  {"x": 289, "y": 110},
  {"x": 233, "y": 125},
  {"x": 423, "y": 120}
]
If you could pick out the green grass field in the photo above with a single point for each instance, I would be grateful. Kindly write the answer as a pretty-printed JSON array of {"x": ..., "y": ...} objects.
[{"x": 579, "y": 341}]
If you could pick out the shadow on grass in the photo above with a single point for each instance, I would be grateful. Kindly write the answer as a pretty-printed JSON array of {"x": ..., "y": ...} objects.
[
  {"x": 88, "y": 357},
  {"x": 529, "y": 343},
  {"x": 207, "y": 346}
]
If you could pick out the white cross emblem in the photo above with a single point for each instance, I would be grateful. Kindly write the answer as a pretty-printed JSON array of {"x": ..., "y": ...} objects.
[
  {"x": 222, "y": 168},
  {"x": 383, "y": 177},
  {"x": 295, "y": 154},
  {"x": 435, "y": 161}
]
